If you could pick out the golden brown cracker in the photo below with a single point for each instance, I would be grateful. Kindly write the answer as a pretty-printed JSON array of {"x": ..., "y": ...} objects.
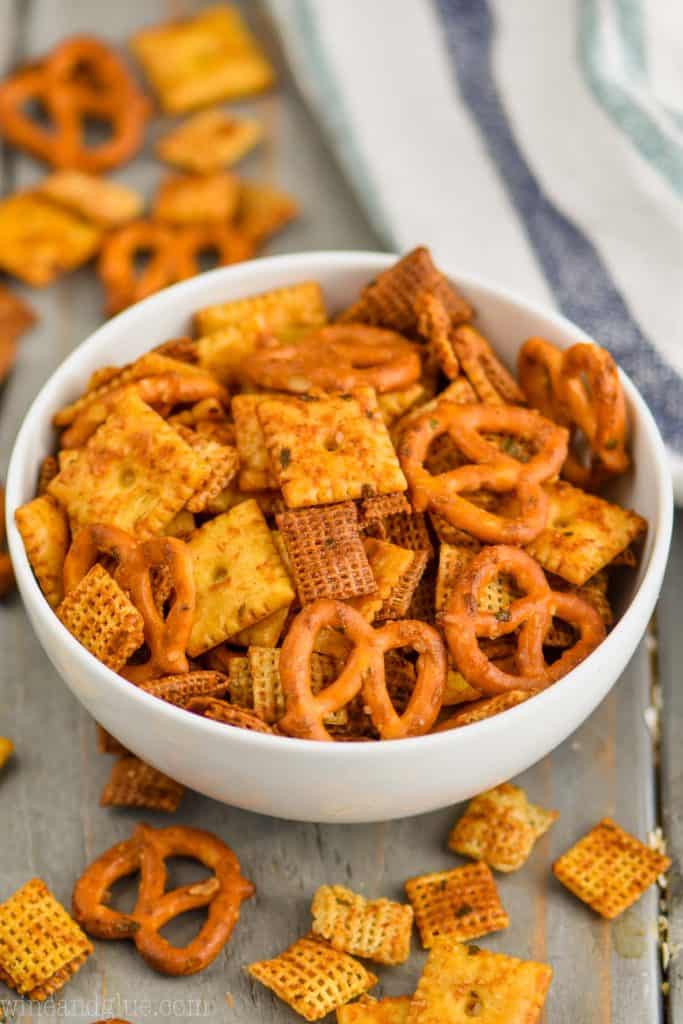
[
  {"x": 133, "y": 783},
  {"x": 459, "y": 904},
  {"x": 377, "y": 930},
  {"x": 255, "y": 473},
  {"x": 100, "y": 616},
  {"x": 391, "y": 1010},
  {"x": 6, "y": 751},
  {"x": 102, "y": 201},
  {"x": 44, "y": 530},
  {"x": 16, "y": 317},
  {"x": 187, "y": 199},
  {"x": 223, "y": 461},
  {"x": 39, "y": 241},
  {"x": 297, "y": 304},
  {"x": 262, "y": 210},
  {"x": 265, "y": 633},
  {"x": 209, "y": 140}
]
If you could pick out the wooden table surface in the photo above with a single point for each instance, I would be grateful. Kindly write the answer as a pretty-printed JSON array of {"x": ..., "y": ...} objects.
[{"x": 52, "y": 825}]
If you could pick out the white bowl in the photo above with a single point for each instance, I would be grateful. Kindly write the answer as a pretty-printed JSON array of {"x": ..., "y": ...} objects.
[{"x": 302, "y": 779}]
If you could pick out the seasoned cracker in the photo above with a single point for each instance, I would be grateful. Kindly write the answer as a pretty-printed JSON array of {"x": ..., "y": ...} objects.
[
  {"x": 464, "y": 983},
  {"x": 49, "y": 468},
  {"x": 377, "y": 930},
  {"x": 135, "y": 472},
  {"x": 390, "y": 300},
  {"x": 6, "y": 750},
  {"x": 133, "y": 783},
  {"x": 228, "y": 714},
  {"x": 265, "y": 633},
  {"x": 263, "y": 210},
  {"x": 100, "y": 616},
  {"x": 609, "y": 869},
  {"x": 39, "y": 241},
  {"x": 491, "y": 381},
  {"x": 584, "y": 533},
  {"x": 434, "y": 324},
  {"x": 239, "y": 576},
  {"x": 457, "y": 690},
  {"x": 108, "y": 744},
  {"x": 326, "y": 552},
  {"x": 398, "y": 603},
  {"x": 196, "y": 198},
  {"x": 297, "y": 304},
  {"x": 209, "y": 140},
  {"x": 41, "y": 946},
  {"x": 103, "y": 202},
  {"x": 391, "y": 1010},
  {"x": 479, "y": 710},
  {"x": 389, "y": 565},
  {"x": 313, "y": 978},
  {"x": 459, "y": 904},
  {"x": 182, "y": 524},
  {"x": 16, "y": 317},
  {"x": 330, "y": 449},
  {"x": 196, "y": 61},
  {"x": 223, "y": 461},
  {"x": 181, "y": 689},
  {"x": 255, "y": 473},
  {"x": 500, "y": 828},
  {"x": 240, "y": 682},
  {"x": 394, "y": 404},
  {"x": 44, "y": 530}
]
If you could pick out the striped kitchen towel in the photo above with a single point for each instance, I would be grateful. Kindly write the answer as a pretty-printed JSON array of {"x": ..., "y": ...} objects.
[{"x": 536, "y": 143}]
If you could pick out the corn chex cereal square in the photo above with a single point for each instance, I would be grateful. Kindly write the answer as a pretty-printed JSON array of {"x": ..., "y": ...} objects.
[
  {"x": 479, "y": 710},
  {"x": 209, "y": 140},
  {"x": 182, "y": 688},
  {"x": 609, "y": 869},
  {"x": 584, "y": 533},
  {"x": 196, "y": 61},
  {"x": 463, "y": 983},
  {"x": 101, "y": 617},
  {"x": 326, "y": 552},
  {"x": 331, "y": 449},
  {"x": 500, "y": 827},
  {"x": 227, "y": 714},
  {"x": 135, "y": 472},
  {"x": 313, "y": 978},
  {"x": 377, "y": 930},
  {"x": 392, "y": 1010},
  {"x": 459, "y": 904},
  {"x": 133, "y": 783},
  {"x": 239, "y": 576},
  {"x": 44, "y": 530},
  {"x": 389, "y": 564},
  {"x": 41, "y": 946}
]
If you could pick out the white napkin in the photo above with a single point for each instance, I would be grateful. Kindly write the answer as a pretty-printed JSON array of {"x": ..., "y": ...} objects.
[{"x": 538, "y": 143}]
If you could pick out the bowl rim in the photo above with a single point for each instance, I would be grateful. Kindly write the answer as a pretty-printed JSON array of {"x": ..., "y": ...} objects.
[{"x": 253, "y": 742}]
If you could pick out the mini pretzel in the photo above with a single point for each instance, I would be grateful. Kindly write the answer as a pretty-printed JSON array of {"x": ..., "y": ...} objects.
[
  {"x": 336, "y": 358},
  {"x": 531, "y": 615},
  {"x": 581, "y": 389},
  {"x": 166, "y": 637},
  {"x": 363, "y": 673},
  {"x": 80, "y": 78},
  {"x": 167, "y": 389},
  {"x": 489, "y": 468},
  {"x": 146, "y": 852}
]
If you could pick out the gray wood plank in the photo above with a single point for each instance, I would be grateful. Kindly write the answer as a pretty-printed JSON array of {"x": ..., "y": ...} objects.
[
  {"x": 50, "y": 794},
  {"x": 670, "y": 644}
]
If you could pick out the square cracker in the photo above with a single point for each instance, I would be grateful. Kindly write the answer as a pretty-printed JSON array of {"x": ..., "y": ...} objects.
[
  {"x": 377, "y": 930},
  {"x": 464, "y": 983},
  {"x": 40, "y": 241},
  {"x": 325, "y": 552},
  {"x": 330, "y": 449},
  {"x": 295, "y": 304},
  {"x": 391, "y": 1010},
  {"x": 265, "y": 633},
  {"x": 105, "y": 202},
  {"x": 196, "y": 198},
  {"x": 313, "y": 978},
  {"x": 459, "y": 904},
  {"x": 16, "y": 317},
  {"x": 500, "y": 827},
  {"x": 133, "y": 783},
  {"x": 41, "y": 946},
  {"x": 101, "y": 617},
  {"x": 135, "y": 472},
  {"x": 584, "y": 533},
  {"x": 223, "y": 461},
  {"x": 196, "y": 61},
  {"x": 609, "y": 869},
  {"x": 238, "y": 574},
  {"x": 209, "y": 140},
  {"x": 255, "y": 472},
  {"x": 44, "y": 530},
  {"x": 263, "y": 210}
]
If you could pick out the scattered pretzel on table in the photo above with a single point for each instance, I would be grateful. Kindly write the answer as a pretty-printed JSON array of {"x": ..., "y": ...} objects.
[{"x": 146, "y": 853}]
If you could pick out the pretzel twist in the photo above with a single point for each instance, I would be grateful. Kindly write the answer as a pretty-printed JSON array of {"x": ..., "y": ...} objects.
[
  {"x": 489, "y": 468},
  {"x": 146, "y": 852},
  {"x": 530, "y": 616},
  {"x": 363, "y": 673}
]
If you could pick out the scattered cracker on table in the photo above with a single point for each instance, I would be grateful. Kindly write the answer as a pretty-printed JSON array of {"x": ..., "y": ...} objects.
[
  {"x": 500, "y": 827},
  {"x": 181, "y": 689},
  {"x": 16, "y": 317},
  {"x": 262, "y": 210},
  {"x": 391, "y": 1010},
  {"x": 459, "y": 904},
  {"x": 108, "y": 744},
  {"x": 326, "y": 552},
  {"x": 133, "y": 783},
  {"x": 238, "y": 573},
  {"x": 196, "y": 198},
  {"x": 102, "y": 618},
  {"x": 584, "y": 533},
  {"x": 102, "y": 201},
  {"x": 6, "y": 750},
  {"x": 209, "y": 140},
  {"x": 40, "y": 241},
  {"x": 196, "y": 61},
  {"x": 461, "y": 983},
  {"x": 609, "y": 869},
  {"x": 135, "y": 472},
  {"x": 44, "y": 530},
  {"x": 331, "y": 449},
  {"x": 313, "y": 978},
  {"x": 41, "y": 946},
  {"x": 377, "y": 930}
]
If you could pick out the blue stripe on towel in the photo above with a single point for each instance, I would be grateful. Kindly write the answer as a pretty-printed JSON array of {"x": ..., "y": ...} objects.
[{"x": 581, "y": 282}]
